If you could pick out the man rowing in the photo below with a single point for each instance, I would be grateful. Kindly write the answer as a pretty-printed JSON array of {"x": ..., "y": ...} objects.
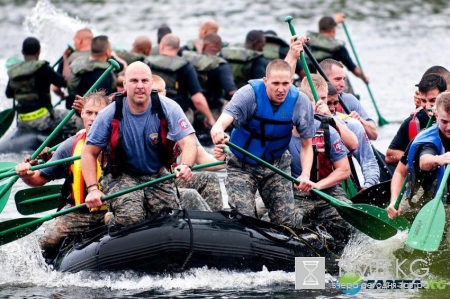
[
  {"x": 74, "y": 189},
  {"x": 423, "y": 162}
]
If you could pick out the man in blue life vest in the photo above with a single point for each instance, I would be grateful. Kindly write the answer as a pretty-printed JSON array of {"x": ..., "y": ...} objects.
[
  {"x": 429, "y": 87},
  {"x": 139, "y": 129},
  {"x": 29, "y": 85},
  {"x": 263, "y": 113},
  {"x": 74, "y": 188},
  {"x": 424, "y": 163}
]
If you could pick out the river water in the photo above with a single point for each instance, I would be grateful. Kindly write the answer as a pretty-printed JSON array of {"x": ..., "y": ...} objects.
[{"x": 396, "y": 42}]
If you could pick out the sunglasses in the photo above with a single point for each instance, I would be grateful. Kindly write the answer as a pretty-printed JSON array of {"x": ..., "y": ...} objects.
[{"x": 334, "y": 103}]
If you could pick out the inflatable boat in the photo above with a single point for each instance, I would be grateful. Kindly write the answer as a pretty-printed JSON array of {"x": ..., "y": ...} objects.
[{"x": 177, "y": 240}]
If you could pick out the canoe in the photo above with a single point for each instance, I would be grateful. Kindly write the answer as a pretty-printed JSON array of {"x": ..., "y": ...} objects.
[{"x": 179, "y": 240}]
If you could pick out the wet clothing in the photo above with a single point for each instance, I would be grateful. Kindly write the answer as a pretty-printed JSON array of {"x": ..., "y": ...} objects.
[
  {"x": 402, "y": 138},
  {"x": 246, "y": 64},
  {"x": 243, "y": 179},
  {"x": 208, "y": 186},
  {"x": 141, "y": 156},
  {"x": 180, "y": 77},
  {"x": 432, "y": 142},
  {"x": 323, "y": 47},
  {"x": 71, "y": 223},
  {"x": 319, "y": 215},
  {"x": 68, "y": 224}
]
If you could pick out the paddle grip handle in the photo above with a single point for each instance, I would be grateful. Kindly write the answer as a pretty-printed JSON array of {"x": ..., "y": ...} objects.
[{"x": 288, "y": 19}]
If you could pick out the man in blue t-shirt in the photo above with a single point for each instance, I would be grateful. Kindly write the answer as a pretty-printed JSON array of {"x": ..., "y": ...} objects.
[{"x": 140, "y": 155}]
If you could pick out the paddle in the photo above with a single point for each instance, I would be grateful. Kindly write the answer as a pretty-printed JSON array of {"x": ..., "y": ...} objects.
[
  {"x": 381, "y": 162},
  {"x": 14, "y": 229},
  {"x": 4, "y": 190},
  {"x": 362, "y": 217},
  {"x": 37, "y": 200},
  {"x": 348, "y": 184},
  {"x": 61, "y": 58},
  {"x": 40, "y": 166},
  {"x": 381, "y": 120},
  {"x": 6, "y": 119},
  {"x": 428, "y": 226}
]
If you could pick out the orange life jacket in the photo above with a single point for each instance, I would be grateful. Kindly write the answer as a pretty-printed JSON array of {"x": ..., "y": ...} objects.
[{"x": 78, "y": 184}]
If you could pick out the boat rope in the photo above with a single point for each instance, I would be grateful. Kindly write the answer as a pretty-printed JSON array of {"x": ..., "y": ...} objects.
[
  {"x": 235, "y": 213},
  {"x": 301, "y": 239},
  {"x": 191, "y": 247}
]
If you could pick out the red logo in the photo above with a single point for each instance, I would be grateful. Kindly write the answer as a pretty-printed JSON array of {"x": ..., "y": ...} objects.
[
  {"x": 365, "y": 137},
  {"x": 184, "y": 124},
  {"x": 338, "y": 146}
]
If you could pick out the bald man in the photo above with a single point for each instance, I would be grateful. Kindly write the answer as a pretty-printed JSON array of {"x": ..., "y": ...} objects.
[
  {"x": 181, "y": 78},
  {"x": 141, "y": 48},
  {"x": 82, "y": 46},
  {"x": 206, "y": 27},
  {"x": 142, "y": 158}
]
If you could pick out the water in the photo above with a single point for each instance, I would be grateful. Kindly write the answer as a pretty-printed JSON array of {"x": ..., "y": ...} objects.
[{"x": 396, "y": 42}]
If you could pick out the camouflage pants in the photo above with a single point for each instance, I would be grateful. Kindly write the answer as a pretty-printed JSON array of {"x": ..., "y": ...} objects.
[
  {"x": 208, "y": 185},
  {"x": 317, "y": 212},
  {"x": 276, "y": 191},
  {"x": 190, "y": 199},
  {"x": 47, "y": 123},
  {"x": 71, "y": 223},
  {"x": 134, "y": 206}
]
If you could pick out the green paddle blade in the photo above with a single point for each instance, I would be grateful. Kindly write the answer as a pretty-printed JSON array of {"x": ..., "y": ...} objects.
[
  {"x": 399, "y": 223},
  {"x": 7, "y": 166},
  {"x": 37, "y": 200},
  {"x": 5, "y": 191},
  {"x": 428, "y": 227},
  {"x": 6, "y": 119},
  {"x": 28, "y": 228},
  {"x": 349, "y": 188},
  {"x": 365, "y": 221},
  {"x": 382, "y": 121}
]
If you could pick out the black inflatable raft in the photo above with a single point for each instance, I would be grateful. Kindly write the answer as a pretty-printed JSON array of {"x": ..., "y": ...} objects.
[{"x": 178, "y": 240}]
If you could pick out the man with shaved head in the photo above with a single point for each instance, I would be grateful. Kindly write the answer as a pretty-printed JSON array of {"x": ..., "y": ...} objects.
[
  {"x": 206, "y": 27},
  {"x": 141, "y": 48},
  {"x": 181, "y": 79},
  {"x": 149, "y": 124},
  {"x": 214, "y": 73}
]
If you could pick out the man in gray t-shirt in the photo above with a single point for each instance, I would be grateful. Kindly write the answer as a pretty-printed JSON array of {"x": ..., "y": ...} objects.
[
  {"x": 263, "y": 113},
  {"x": 141, "y": 155}
]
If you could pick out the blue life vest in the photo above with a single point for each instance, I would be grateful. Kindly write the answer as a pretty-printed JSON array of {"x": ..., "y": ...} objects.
[
  {"x": 430, "y": 135},
  {"x": 267, "y": 134}
]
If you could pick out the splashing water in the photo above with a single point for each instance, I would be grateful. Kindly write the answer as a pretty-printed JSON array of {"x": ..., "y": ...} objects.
[{"x": 49, "y": 24}]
